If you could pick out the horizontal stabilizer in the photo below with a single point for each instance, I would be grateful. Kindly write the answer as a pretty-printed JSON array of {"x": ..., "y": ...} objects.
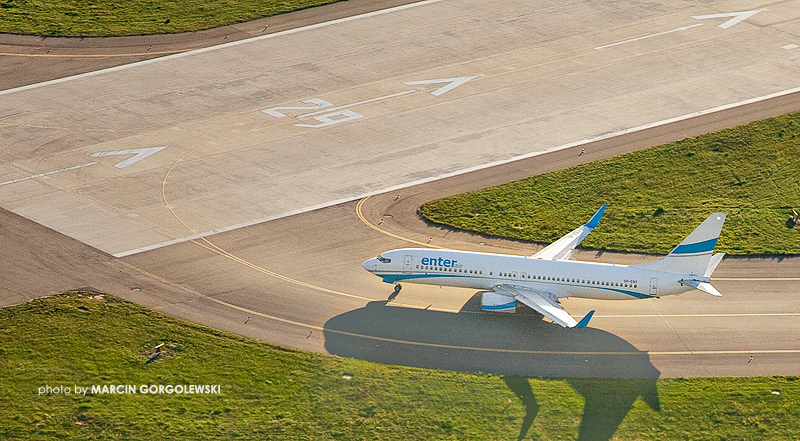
[{"x": 703, "y": 286}]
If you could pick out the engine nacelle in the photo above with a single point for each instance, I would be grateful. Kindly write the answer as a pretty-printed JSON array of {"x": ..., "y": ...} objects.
[{"x": 491, "y": 301}]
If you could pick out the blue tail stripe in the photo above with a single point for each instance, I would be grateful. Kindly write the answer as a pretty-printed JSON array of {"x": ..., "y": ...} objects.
[{"x": 699, "y": 247}]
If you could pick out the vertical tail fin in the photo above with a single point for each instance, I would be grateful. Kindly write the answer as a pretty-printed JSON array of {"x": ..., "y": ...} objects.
[{"x": 694, "y": 254}]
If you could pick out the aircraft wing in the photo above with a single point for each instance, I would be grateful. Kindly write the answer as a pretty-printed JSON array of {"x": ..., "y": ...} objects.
[
  {"x": 543, "y": 302},
  {"x": 563, "y": 248}
]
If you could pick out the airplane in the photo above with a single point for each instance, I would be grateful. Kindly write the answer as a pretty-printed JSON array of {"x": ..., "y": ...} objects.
[{"x": 540, "y": 280}]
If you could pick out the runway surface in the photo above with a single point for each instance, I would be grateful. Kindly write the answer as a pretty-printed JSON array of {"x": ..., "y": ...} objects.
[
  {"x": 31, "y": 59},
  {"x": 146, "y": 161}
]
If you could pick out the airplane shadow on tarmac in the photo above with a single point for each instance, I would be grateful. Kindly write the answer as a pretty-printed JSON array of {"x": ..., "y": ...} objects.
[{"x": 607, "y": 371}]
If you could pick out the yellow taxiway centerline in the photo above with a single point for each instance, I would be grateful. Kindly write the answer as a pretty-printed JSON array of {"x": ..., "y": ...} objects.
[{"x": 382, "y": 231}]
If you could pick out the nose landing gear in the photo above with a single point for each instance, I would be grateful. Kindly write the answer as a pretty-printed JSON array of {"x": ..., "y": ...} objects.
[{"x": 396, "y": 291}]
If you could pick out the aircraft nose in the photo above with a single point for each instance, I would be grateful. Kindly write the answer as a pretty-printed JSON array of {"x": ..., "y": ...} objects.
[{"x": 370, "y": 264}]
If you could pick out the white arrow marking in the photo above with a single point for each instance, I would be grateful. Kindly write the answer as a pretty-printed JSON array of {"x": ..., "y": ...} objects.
[
  {"x": 452, "y": 84},
  {"x": 139, "y": 154},
  {"x": 736, "y": 17}
]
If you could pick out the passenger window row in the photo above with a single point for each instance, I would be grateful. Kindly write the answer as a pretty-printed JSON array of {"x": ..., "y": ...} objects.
[
  {"x": 531, "y": 277},
  {"x": 448, "y": 270}
]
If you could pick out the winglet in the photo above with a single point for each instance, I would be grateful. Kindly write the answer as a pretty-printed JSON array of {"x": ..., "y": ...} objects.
[
  {"x": 596, "y": 218},
  {"x": 563, "y": 248},
  {"x": 585, "y": 320}
]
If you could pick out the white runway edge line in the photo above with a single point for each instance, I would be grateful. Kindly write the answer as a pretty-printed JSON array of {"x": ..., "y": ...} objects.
[
  {"x": 458, "y": 172},
  {"x": 221, "y": 46}
]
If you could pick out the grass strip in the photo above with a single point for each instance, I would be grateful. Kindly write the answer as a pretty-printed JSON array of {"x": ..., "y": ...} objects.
[
  {"x": 656, "y": 196},
  {"x": 103, "y": 18},
  {"x": 270, "y": 392}
]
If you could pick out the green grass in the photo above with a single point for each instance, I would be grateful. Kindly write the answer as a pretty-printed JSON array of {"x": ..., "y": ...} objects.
[
  {"x": 101, "y": 18},
  {"x": 655, "y": 196},
  {"x": 269, "y": 392}
]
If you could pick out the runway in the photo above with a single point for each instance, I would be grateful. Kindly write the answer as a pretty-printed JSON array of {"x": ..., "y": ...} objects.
[{"x": 230, "y": 182}]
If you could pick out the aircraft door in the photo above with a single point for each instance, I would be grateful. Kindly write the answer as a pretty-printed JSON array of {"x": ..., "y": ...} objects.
[
  {"x": 654, "y": 287},
  {"x": 407, "y": 260}
]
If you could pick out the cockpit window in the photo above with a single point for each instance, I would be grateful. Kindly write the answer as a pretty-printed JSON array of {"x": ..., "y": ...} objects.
[{"x": 382, "y": 259}]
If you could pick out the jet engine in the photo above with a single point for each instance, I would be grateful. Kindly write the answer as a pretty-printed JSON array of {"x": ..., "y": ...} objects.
[{"x": 491, "y": 301}]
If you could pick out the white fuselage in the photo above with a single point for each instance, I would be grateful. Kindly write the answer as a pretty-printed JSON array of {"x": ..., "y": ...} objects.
[{"x": 484, "y": 271}]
